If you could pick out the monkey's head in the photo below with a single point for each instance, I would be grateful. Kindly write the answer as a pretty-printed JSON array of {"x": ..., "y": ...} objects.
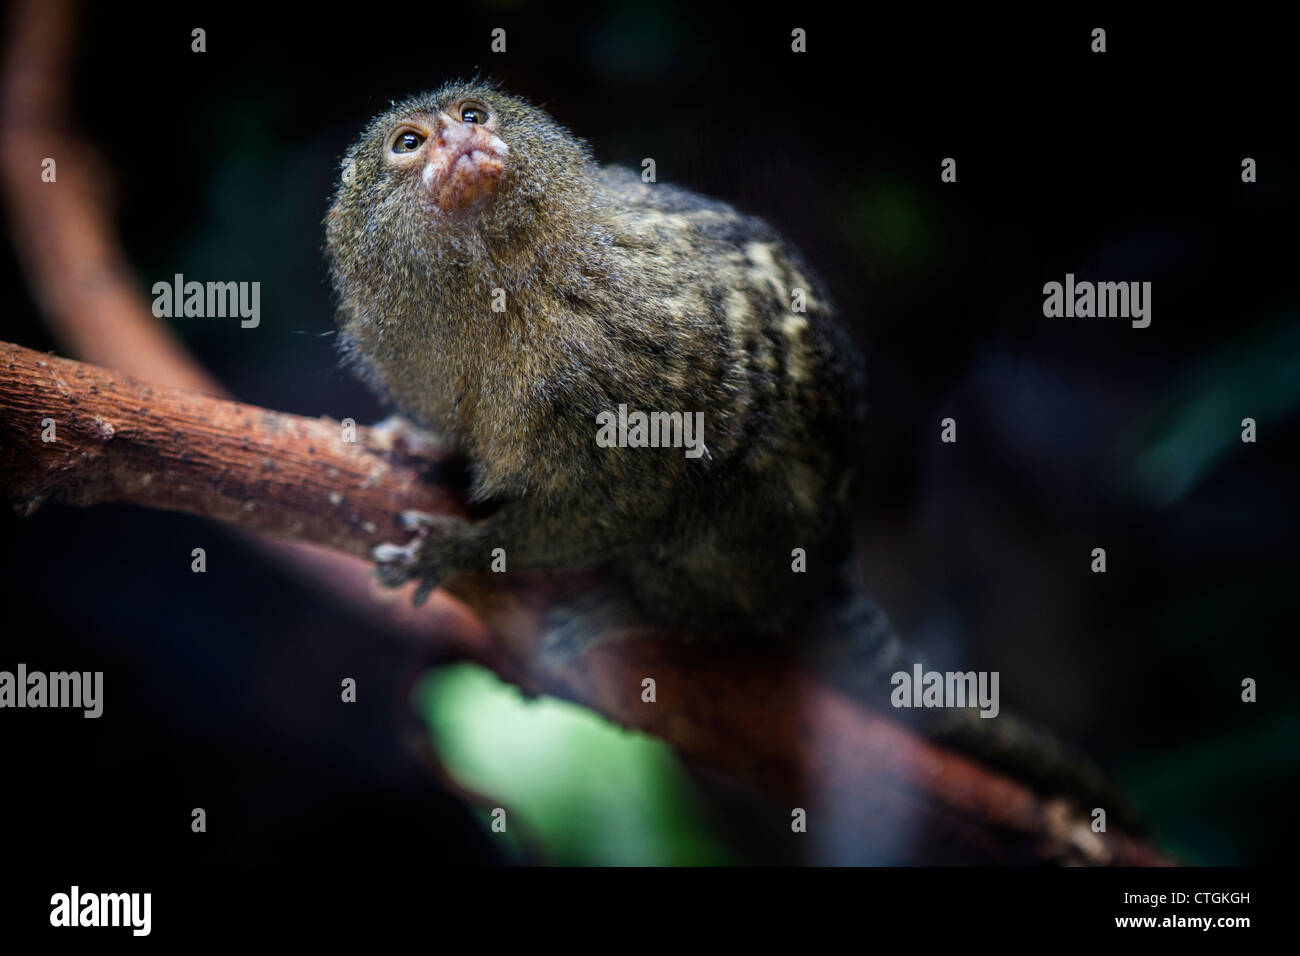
[
  {"x": 445, "y": 197},
  {"x": 464, "y": 161}
]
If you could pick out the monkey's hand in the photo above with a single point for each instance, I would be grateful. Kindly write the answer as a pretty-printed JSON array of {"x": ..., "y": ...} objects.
[
  {"x": 442, "y": 544},
  {"x": 570, "y": 539},
  {"x": 429, "y": 555}
]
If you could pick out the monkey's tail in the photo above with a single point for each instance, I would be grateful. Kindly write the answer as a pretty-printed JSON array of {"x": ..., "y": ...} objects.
[{"x": 864, "y": 654}]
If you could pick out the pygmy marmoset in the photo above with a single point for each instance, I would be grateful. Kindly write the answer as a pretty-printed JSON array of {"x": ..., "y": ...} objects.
[{"x": 506, "y": 291}]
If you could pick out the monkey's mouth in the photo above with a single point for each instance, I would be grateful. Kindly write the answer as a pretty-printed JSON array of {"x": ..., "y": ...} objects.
[{"x": 465, "y": 165}]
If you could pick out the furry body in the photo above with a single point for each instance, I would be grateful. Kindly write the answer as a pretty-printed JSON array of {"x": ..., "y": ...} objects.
[
  {"x": 615, "y": 291},
  {"x": 504, "y": 290}
]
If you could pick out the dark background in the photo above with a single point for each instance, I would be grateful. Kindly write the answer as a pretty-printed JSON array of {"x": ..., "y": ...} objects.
[{"x": 222, "y": 688}]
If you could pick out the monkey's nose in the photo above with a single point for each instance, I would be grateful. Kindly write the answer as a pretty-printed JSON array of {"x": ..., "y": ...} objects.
[{"x": 465, "y": 165}]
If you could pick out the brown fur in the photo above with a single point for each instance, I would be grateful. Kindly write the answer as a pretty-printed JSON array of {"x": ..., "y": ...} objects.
[
  {"x": 617, "y": 292},
  {"x": 622, "y": 292}
]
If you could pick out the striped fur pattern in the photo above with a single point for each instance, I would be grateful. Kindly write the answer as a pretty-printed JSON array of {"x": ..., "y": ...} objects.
[{"x": 615, "y": 292}]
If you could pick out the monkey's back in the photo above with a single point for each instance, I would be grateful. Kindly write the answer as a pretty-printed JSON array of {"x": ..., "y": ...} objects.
[{"x": 743, "y": 332}]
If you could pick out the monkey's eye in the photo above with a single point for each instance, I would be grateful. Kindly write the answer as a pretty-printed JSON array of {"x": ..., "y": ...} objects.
[
  {"x": 408, "y": 142},
  {"x": 473, "y": 114}
]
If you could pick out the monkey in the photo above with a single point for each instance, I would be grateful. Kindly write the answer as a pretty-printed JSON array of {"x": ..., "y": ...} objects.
[
  {"x": 507, "y": 292},
  {"x": 615, "y": 292}
]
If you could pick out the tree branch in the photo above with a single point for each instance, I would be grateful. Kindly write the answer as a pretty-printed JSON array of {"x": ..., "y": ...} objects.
[
  {"x": 116, "y": 439},
  {"x": 753, "y": 715},
  {"x": 167, "y": 445}
]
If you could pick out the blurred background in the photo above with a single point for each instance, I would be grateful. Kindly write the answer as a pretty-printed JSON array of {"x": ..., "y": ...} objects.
[{"x": 222, "y": 688}]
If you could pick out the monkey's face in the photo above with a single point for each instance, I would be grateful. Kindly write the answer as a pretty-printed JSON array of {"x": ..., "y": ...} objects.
[
  {"x": 453, "y": 155},
  {"x": 466, "y": 156},
  {"x": 444, "y": 189}
]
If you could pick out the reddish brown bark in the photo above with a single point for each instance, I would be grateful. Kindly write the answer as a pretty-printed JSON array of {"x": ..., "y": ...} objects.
[
  {"x": 753, "y": 716},
  {"x": 117, "y": 439}
]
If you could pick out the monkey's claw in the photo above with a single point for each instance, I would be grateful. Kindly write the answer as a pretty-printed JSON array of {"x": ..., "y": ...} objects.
[
  {"x": 426, "y": 558},
  {"x": 417, "y": 520}
]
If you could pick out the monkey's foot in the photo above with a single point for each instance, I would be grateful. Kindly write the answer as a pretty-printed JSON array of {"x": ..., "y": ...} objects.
[{"x": 427, "y": 558}]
